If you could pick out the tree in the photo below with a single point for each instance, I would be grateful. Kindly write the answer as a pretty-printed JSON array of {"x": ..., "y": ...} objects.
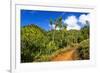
[
  {"x": 60, "y": 25},
  {"x": 51, "y": 23}
]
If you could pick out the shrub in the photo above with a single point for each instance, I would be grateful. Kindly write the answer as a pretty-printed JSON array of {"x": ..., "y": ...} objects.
[
  {"x": 83, "y": 50},
  {"x": 51, "y": 47},
  {"x": 33, "y": 42},
  {"x": 85, "y": 32},
  {"x": 26, "y": 55}
]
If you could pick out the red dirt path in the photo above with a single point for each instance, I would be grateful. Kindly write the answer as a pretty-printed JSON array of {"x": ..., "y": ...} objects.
[{"x": 68, "y": 55}]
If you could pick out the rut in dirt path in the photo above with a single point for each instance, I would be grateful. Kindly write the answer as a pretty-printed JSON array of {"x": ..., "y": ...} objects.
[{"x": 68, "y": 55}]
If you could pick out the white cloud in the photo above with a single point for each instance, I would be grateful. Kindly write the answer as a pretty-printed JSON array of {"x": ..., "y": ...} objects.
[
  {"x": 57, "y": 28},
  {"x": 77, "y": 27},
  {"x": 71, "y": 22},
  {"x": 83, "y": 18},
  {"x": 52, "y": 26}
]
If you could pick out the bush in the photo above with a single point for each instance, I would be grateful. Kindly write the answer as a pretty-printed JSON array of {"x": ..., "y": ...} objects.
[
  {"x": 83, "y": 50},
  {"x": 51, "y": 47},
  {"x": 26, "y": 55},
  {"x": 38, "y": 45},
  {"x": 33, "y": 42},
  {"x": 85, "y": 32}
]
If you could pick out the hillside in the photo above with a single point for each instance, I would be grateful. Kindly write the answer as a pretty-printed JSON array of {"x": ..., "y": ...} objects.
[{"x": 38, "y": 45}]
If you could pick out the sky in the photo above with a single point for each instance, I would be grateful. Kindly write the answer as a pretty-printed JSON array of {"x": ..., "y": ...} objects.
[{"x": 73, "y": 20}]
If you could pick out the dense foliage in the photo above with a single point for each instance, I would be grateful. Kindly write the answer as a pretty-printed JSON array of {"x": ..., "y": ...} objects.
[
  {"x": 33, "y": 40},
  {"x": 83, "y": 50},
  {"x": 38, "y": 44}
]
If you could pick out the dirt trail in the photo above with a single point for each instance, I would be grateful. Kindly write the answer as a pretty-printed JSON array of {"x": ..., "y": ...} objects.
[{"x": 68, "y": 55}]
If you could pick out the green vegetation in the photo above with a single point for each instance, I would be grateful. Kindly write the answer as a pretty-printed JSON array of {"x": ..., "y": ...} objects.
[
  {"x": 32, "y": 42},
  {"x": 83, "y": 50},
  {"x": 38, "y": 45}
]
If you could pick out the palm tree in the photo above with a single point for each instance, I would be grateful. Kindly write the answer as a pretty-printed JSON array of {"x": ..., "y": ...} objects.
[
  {"x": 59, "y": 20},
  {"x": 60, "y": 25},
  {"x": 51, "y": 23}
]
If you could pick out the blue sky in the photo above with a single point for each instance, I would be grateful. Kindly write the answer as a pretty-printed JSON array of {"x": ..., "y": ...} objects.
[{"x": 41, "y": 18}]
